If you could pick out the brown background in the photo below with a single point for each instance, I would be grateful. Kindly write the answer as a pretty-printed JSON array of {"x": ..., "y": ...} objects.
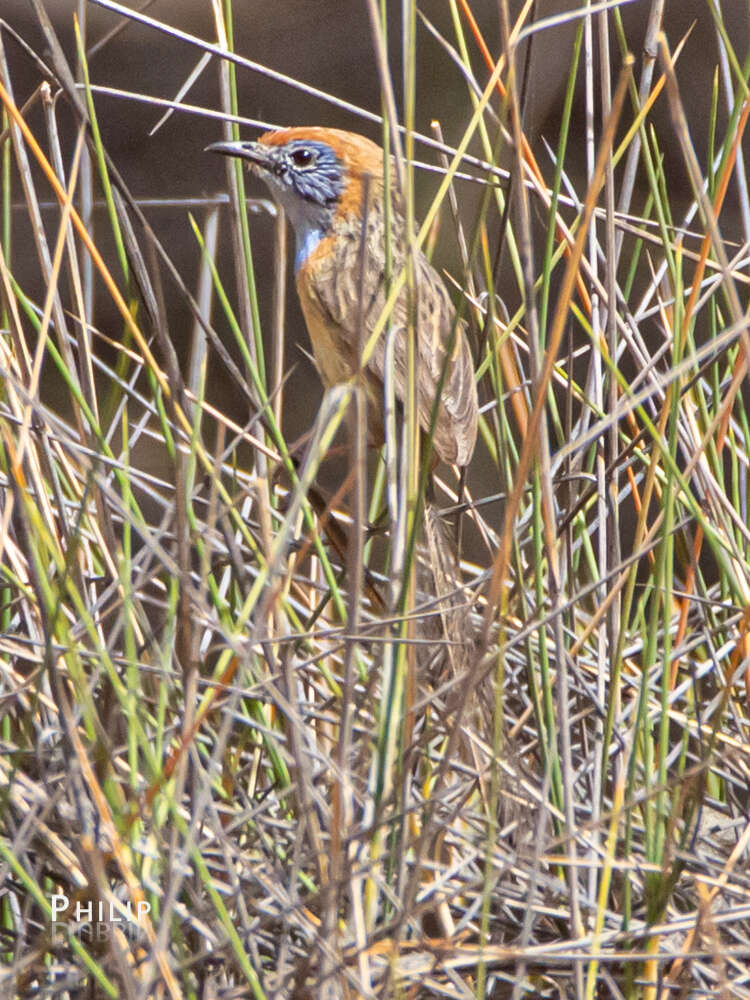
[{"x": 325, "y": 43}]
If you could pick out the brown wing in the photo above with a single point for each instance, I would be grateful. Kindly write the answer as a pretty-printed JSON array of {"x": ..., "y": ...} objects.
[
  {"x": 334, "y": 279},
  {"x": 443, "y": 354}
]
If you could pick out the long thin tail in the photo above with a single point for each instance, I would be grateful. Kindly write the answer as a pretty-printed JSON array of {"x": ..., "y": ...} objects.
[{"x": 448, "y": 625}]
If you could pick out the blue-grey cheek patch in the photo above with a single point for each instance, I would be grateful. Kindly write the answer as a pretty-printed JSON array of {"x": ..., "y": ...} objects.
[{"x": 322, "y": 183}]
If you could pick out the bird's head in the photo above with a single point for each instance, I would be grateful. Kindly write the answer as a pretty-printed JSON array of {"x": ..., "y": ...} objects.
[{"x": 315, "y": 174}]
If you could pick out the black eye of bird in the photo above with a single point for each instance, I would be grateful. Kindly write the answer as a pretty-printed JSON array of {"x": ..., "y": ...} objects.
[{"x": 302, "y": 157}]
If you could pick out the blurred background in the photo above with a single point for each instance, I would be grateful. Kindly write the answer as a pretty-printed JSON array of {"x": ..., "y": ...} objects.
[
  {"x": 663, "y": 663},
  {"x": 326, "y": 44}
]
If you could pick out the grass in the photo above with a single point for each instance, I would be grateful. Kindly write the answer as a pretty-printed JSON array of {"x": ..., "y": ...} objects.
[{"x": 215, "y": 715}]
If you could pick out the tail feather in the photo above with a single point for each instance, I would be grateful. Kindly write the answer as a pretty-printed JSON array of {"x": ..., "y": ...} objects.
[{"x": 439, "y": 582}]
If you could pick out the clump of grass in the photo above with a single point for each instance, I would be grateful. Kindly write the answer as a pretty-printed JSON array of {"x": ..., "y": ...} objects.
[{"x": 212, "y": 710}]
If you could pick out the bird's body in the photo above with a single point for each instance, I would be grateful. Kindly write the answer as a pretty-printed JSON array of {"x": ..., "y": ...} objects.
[{"x": 318, "y": 176}]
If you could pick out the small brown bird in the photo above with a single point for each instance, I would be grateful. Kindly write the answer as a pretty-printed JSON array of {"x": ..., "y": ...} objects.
[{"x": 317, "y": 176}]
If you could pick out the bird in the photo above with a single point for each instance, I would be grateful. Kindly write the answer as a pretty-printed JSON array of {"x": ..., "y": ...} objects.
[{"x": 319, "y": 176}]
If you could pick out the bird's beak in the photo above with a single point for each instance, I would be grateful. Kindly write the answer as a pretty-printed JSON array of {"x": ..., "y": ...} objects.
[{"x": 254, "y": 152}]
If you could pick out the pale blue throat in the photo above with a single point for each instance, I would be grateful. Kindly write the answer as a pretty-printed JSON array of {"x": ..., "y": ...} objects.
[
  {"x": 307, "y": 236},
  {"x": 310, "y": 219}
]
